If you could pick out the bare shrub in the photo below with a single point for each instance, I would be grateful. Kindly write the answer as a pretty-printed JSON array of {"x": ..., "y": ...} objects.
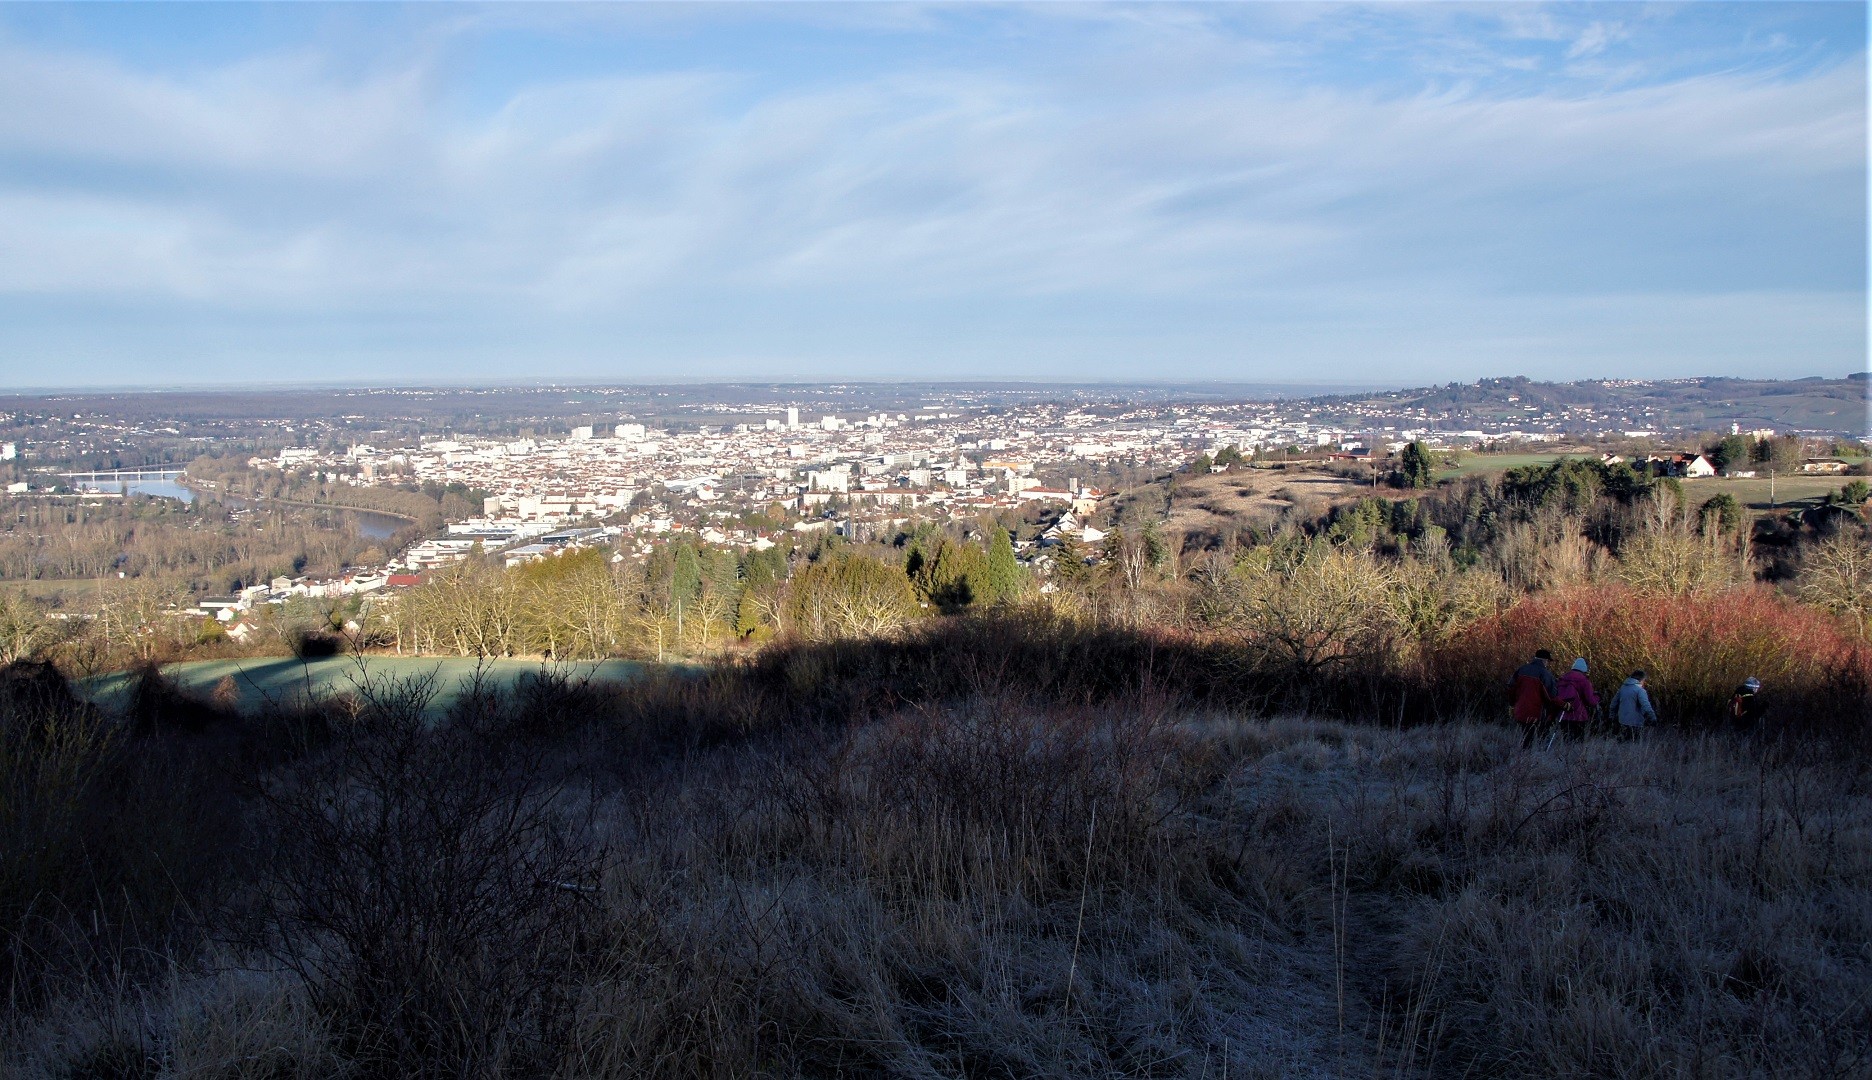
[
  {"x": 429, "y": 893},
  {"x": 1680, "y": 561},
  {"x": 1314, "y": 608},
  {"x": 850, "y": 596},
  {"x": 107, "y": 837},
  {"x": 24, "y": 629},
  {"x": 1546, "y": 552}
]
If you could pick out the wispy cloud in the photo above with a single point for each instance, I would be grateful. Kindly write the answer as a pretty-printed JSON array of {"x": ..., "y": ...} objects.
[
  {"x": 1593, "y": 40},
  {"x": 921, "y": 184}
]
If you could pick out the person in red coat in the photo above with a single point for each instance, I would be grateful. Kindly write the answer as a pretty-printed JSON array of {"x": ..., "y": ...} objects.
[
  {"x": 1577, "y": 698},
  {"x": 1533, "y": 695}
]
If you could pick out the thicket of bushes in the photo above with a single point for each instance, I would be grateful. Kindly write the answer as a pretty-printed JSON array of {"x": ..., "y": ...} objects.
[{"x": 1695, "y": 648}]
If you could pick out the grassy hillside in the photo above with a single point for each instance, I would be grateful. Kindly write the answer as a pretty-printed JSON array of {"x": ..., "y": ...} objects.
[
  {"x": 1239, "y": 801},
  {"x": 256, "y": 682},
  {"x": 1479, "y": 464},
  {"x": 929, "y": 857}
]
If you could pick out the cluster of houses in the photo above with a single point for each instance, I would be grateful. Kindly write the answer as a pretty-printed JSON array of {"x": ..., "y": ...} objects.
[
  {"x": 1687, "y": 466},
  {"x": 1681, "y": 466},
  {"x": 234, "y": 611}
]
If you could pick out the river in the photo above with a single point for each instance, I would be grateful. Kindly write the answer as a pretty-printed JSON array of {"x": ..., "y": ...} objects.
[
  {"x": 166, "y": 484},
  {"x": 369, "y": 524},
  {"x": 163, "y": 483}
]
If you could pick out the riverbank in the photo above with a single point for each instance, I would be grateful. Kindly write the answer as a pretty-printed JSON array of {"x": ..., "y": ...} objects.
[{"x": 370, "y": 524}]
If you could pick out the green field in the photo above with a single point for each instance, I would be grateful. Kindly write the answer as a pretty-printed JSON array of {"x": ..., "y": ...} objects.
[
  {"x": 260, "y": 680},
  {"x": 1485, "y": 463},
  {"x": 1753, "y": 492},
  {"x": 73, "y": 593}
]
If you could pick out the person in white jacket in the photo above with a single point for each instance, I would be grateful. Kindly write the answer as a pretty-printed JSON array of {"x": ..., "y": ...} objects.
[{"x": 1631, "y": 706}]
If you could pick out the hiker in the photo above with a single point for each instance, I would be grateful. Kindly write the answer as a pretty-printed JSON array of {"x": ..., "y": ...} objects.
[
  {"x": 1533, "y": 695},
  {"x": 1746, "y": 707},
  {"x": 1631, "y": 706},
  {"x": 1579, "y": 702}
]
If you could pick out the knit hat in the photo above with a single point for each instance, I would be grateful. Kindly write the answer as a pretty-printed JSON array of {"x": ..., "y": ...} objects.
[
  {"x": 1579, "y": 663},
  {"x": 1752, "y": 683}
]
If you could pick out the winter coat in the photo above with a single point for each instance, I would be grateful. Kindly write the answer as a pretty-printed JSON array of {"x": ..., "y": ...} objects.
[
  {"x": 1533, "y": 691},
  {"x": 1631, "y": 706},
  {"x": 1577, "y": 697}
]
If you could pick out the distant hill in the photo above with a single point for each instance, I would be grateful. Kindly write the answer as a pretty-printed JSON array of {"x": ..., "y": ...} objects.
[{"x": 1835, "y": 406}]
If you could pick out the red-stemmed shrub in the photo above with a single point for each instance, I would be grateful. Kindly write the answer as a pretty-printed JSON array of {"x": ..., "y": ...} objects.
[{"x": 1696, "y": 648}]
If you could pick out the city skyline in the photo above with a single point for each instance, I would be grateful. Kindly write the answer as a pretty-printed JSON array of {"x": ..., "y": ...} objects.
[{"x": 1396, "y": 195}]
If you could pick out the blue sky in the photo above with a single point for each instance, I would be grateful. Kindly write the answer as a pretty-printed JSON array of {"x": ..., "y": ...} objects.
[{"x": 1265, "y": 192}]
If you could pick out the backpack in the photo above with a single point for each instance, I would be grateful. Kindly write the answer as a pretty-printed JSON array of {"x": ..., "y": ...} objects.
[{"x": 1742, "y": 706}]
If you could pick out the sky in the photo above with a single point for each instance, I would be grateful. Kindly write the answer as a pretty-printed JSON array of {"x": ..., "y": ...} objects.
[{"x": 1394, "y": 194}]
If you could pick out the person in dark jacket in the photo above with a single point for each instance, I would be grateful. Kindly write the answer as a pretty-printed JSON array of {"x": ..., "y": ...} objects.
[
  {"x": 1533, "y": 695},
  {"x": 1746, "y": 707}
]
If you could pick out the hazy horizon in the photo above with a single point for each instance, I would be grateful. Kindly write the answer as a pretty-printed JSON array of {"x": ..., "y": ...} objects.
[{"x": 1391, "y": 195}]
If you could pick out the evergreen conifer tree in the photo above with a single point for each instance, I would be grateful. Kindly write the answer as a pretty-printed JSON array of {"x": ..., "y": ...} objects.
[
  {"x": 1416, "y": 465},
  {"x": 1003, "y": 577}
]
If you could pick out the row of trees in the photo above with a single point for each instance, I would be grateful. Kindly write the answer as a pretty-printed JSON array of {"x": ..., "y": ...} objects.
[
  {"x": 688, "y": 599},
  {"x": 1739, "y": 452},
  {"x": 198, "y": 546}
]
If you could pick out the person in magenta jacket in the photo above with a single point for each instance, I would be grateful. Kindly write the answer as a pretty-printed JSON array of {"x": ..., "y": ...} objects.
[{"x": 1578, "y": 700}]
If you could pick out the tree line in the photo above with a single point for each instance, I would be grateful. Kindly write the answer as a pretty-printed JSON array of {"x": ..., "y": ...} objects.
[
  {"x": 1391, "y": 576},
  {"x": 200, "y": 547}
]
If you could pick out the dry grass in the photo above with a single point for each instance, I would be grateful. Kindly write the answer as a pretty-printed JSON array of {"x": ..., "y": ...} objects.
[
  {"x": 992, "y": 886},
  {"x": 1223, "y": 503}
]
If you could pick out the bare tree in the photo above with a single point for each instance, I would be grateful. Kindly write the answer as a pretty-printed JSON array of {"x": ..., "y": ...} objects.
[
  {"x": 139, "y": 617},
  {"x": 849, "y": 596},
  {"x": 1324, "y": 607},
  {"x": 23, "y": 628},
  {"x": 1837, "y": 575}
]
